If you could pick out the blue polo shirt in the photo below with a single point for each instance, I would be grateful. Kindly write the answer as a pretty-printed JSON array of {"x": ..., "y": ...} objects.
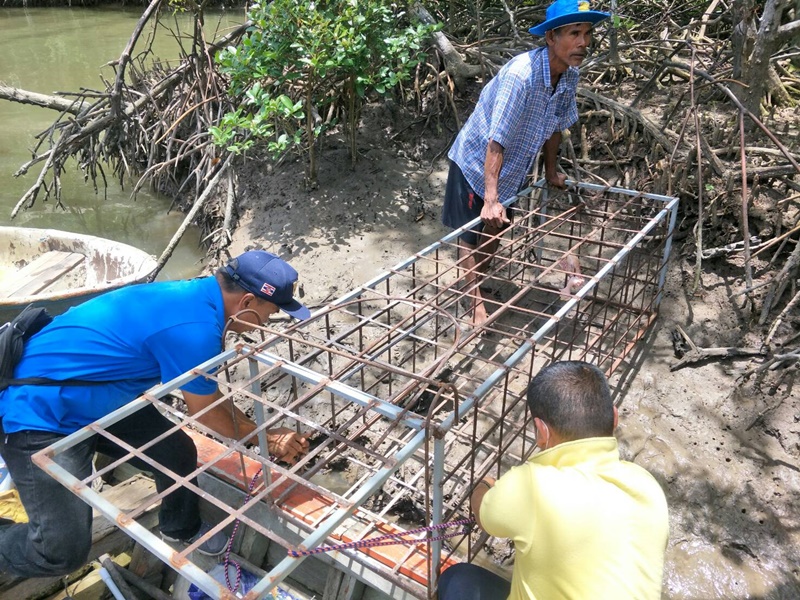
[
  {"x": 134, "y": 337},
  {"x": 519, "y": 110}
]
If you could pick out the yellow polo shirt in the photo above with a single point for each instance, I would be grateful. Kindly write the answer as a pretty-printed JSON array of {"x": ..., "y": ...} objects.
[{"x": 584, "y": 524}]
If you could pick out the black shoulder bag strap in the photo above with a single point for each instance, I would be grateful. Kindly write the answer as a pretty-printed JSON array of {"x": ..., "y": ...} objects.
[{"x": 13, "y": 336}]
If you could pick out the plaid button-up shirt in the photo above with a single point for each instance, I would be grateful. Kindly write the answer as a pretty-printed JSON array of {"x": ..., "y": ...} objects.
[{"x": 519, "y": 110}]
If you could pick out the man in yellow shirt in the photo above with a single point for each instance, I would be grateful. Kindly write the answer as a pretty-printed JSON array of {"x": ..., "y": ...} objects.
[{"x": 585, "y": 524}]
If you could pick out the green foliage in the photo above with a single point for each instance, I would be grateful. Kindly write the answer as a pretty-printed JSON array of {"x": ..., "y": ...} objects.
[
  {"x": 304, "y": 58},
  {"x": 238, "y": 130},
  {"x": 621, "y": 23}
]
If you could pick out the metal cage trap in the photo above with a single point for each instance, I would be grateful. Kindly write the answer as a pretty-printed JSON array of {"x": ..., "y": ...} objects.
[{"x": 406, "y": 404}]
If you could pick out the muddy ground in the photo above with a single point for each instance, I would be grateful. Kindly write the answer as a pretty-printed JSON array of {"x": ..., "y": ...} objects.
[{"x": 727, "y": 456}]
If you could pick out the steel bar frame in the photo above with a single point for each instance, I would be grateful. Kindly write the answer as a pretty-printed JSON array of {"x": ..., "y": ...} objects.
[{"x": 407, "y": 404}]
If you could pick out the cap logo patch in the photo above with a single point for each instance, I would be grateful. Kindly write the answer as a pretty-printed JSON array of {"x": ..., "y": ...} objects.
[
  {"x": 583, "y": 6},
  {"x": 268, "y": 289}
]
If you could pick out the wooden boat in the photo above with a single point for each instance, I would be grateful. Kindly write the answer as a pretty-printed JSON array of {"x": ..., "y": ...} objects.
[{"x": 57, "y": 269}]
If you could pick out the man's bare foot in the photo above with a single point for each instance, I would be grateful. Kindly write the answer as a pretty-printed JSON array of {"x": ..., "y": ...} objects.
[{"x": 479, "y": 314}]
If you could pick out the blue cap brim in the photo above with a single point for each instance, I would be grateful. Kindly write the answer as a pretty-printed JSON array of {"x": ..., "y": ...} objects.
[
  {"x": 294, "y": 309},
  {"x": 585, "y": 16}
]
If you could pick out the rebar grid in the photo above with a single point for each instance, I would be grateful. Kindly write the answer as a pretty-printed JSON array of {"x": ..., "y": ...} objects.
[{"x": 407, "y": 405}]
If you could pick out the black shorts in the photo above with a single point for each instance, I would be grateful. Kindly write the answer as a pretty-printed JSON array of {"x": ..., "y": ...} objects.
[{"x": 462, "y": 205}]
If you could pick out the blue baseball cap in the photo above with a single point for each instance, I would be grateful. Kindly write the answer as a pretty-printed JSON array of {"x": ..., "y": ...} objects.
[
  {"x": 269, "y": 277},
  {"x": 565, "y": 12}
]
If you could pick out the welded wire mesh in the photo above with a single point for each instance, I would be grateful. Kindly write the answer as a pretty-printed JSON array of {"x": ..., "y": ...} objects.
[{"x": 406, "y": 403}]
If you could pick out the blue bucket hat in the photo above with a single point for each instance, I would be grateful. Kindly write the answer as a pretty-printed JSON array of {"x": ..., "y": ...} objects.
[
  {"x": 269, "y": 277},
  {"x": 565, "y": 12}
]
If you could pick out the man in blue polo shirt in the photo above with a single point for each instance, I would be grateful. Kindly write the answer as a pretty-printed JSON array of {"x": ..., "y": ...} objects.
[
  {"x": 521, "y": 111},
  {"x": 131, "y": 338}
]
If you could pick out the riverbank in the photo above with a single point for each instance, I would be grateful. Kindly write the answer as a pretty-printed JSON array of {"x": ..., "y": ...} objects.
[
  {"x": 726, "y": 456},
  {"x": 44, "y": 51}
]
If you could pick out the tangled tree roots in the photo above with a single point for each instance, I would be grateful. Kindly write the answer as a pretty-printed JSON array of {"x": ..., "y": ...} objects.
[
  {"x": 149, "y": 123},
  {"x": 666, "y": 113}
]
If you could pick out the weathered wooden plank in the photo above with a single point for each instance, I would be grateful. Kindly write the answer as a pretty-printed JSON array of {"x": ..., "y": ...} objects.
[
  {"x": 146, "y": 566},
  {"x": 341, "y": 586},
  {"x": 254, "y": 546},
  {"x": 332, "y": 584},
  {"x": 351, "y": 589},
  {"x": 40, "y": 273},
  {"x": 106, "y": 539},
  {"x": 90, "y": 587}
]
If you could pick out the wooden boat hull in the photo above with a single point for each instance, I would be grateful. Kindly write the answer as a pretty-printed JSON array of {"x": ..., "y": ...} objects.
[{"x": 57, "y": 269}]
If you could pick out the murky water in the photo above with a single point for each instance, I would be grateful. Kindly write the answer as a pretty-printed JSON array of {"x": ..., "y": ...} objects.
[{"x": 64, "y": 49}]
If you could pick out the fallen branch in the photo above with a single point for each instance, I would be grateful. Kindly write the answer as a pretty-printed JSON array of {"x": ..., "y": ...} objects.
[
  {"x": 230, "y": 201},
  {"x": 691, "y": 353},
  {"x": 755, "y": 242},
  {"x": 121, "y": 125},
  {"x": 788, "y": 359},
  {"x": 162, "y": 260},
  {"x": 784, "y": 313},
  {"x": 788, "y": 30},
  {"x": 779, "y": 283},
  {"x": 29, "y": 197},
  {"x": 725, "y": 90},
  {"x": 776, "y": 240},
  {"x": 21, "y": 96}
]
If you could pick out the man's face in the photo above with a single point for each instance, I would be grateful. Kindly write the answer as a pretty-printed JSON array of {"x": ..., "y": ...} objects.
[{"x": 569, "y": 44}]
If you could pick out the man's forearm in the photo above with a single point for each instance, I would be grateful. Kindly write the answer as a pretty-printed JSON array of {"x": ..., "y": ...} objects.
[
  {"x": 551, "y": 147},
  {"x": 476, "y": 499},
  {"x": 491, "y": 171},
  {"x": 231, "y": 423}
]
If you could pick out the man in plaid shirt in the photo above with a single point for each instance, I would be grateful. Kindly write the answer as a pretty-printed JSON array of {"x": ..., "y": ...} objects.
[{"x": 521, "y": 111}]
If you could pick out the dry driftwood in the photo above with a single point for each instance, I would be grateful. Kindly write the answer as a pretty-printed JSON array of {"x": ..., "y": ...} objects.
[
  {"x": 190, "y": 216},
  {"x": 788, "y": 362}
]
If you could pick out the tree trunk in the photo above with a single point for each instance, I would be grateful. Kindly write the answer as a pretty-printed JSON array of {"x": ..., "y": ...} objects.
[
  {"x": 453, "y": 62},
  {"x": 613, "y": 53},
  {"x": 791, "y": 32},
  {"x": 311, "y": 180},
  {"x": 742, "y": 40},
  {"x": 755, "y": 67}
]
